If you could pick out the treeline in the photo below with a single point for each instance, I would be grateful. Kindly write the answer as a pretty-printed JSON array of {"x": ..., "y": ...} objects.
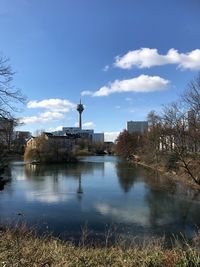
[
  {"x": 88, "y": 147},
  {"x": 173, "y": 136},
  {"x": 46, "y": 148}
]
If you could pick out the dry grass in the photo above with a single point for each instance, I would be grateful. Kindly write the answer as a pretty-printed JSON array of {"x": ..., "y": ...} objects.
[{"x": 24, "y": 248}]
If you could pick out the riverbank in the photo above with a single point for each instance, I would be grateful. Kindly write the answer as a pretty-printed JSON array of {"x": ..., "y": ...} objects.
[
  {"x": 177, "y": 175},
  {"x": 5, "y": 175},
  {"x": 24, "y": 248},
  {"x": 6, "y": 158}
]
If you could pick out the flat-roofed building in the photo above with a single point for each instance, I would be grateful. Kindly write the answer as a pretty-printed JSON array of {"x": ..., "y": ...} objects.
[
  {"x": 65, "y": 142},
  {"x": 98, "y": 137},
  {"x": 137, "y": 127},
  {"x": 83, "y": 133}
]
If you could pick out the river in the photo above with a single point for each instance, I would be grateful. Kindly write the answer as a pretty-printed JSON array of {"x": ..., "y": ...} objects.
[{"x": 101, "y": 193}]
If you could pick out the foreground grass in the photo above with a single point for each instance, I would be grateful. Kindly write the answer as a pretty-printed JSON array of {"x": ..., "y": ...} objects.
[{"x": 23, "y": 248}]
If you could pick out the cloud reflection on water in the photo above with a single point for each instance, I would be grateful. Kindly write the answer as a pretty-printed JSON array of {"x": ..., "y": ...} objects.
[
  {"x": 49, "y": 198},
  {"x": 134, "y": 215}
]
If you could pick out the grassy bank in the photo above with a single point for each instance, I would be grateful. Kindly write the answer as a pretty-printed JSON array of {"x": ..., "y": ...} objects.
[
  {"x": 175, "y": 172},
  {"x": 23, "y": 248}
]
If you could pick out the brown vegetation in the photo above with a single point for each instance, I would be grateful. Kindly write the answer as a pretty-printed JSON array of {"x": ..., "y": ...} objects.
[
  {"x": 23, "y": 248},
  {"x": 87, "y": 148},
  {"x": 173, "y": 137},
  {"x": 45, "y": 152}
]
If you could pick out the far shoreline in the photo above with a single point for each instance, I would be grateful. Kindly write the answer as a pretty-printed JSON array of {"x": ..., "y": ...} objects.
[{"x": 174, "y": 176}]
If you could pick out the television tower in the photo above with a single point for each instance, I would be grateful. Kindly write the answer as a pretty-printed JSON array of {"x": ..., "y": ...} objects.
[{"x": 80, "y": 109}]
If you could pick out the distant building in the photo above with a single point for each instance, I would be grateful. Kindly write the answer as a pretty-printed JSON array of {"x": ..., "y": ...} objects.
[
  {"x": 82, "y": 133},
  {"x": 65, "y": 142},
  {"x": 62, "y": 142},
  {"x": 21, "y": 137},
  {"x": 22, "y": 134},
  {"x": 137, "y": 127},
  {"x": 31, "y": 142},
  {"x": 98, "y": 137}
]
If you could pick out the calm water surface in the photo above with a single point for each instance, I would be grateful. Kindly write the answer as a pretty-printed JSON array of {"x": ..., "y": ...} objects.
[{"x": 100, "y": 192}]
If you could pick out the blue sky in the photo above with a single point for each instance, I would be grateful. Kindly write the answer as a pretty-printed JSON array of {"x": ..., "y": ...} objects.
[{"x": 122, "y": 57}]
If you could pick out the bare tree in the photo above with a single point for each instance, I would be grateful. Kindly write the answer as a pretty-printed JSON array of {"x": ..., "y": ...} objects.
[
  {"x": 6, "y": 131},
  {"x": 9, "y": 96},
  {"x": 154, "y": 133},
  {"x": 191, "y": 98},
  {"x": 191, "y": 95},
  {"x": 175, "y": 119},
  {"x": 129, "y": 144}
]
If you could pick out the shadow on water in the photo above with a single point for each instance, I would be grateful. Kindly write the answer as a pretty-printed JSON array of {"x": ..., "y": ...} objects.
[
  {"x": 168, "y": 206},
  {"x": 72, "y": 169},
  {"x": 2, "y": 185},
  {"x": 5, "y": 178},
  {"x": 127, "y": 175}
]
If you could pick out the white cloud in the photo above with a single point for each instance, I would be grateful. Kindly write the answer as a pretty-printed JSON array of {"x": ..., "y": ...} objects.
[
  {"x": 86, "y": 93},
  {"x": 147, "y": 57},
  {"x": 136, "y": 214},
  {"x": 55, "y": 104},
  {"x": 117, "y": 107},
  {"x": 106, "y": 68},
  {"x": 111, "y": 136},
  {"x": 58, "y": 128},
  {"x": 42, "y": 117},
  {"x": 55, "y": 110},
  {"x": 128, "y": 99},
  {"x": 87, "y": 125},
  {"x": 140, "y": 84}
]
